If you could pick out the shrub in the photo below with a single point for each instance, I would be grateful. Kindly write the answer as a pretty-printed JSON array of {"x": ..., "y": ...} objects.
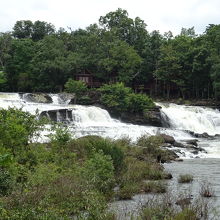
[
  {"x": 60, "y": 137},
  {"x": 154, "y": 187},
  {"x": 151, "y": 144},
  {"x": 108, "y": 147},
  {"x": 77, "y": 87},
  {"x": 185, "y": 178},
  {"x": 6, "y": 182},
  {"x": 99, "y": 171},
  {"x": 118, "y": 99},
  {"x": 17, "y": 128},
  {"x": 127, "y": 191},
  {"x": 115, "y": 97},
  {"x": 139, "y": 102},
  {"x": 206, "y": 190}
]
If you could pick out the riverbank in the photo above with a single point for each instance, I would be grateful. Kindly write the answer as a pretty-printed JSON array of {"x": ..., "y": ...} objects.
[{"x": 67, "y": 177}]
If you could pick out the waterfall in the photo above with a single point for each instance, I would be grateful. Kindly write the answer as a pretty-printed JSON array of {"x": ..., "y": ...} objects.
[
  {"x": 91, "y": 120},
  {"x": 192, "y": 118}
]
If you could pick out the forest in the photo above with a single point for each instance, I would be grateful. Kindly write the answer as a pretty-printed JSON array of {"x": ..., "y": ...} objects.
[{"x": 35, "y": 57}]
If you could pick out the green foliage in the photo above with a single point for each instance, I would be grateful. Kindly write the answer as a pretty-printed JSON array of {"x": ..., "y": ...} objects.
[
  {"x": 16, "y": 128},
  {"x": 6, "y": 182},
  {"x": 60, "y": 137},
  {"x": 139, "y": 103},
  {"x": 5, "y": 159},
  {"x": 34, "y": 57},
  {"x": 115, "y": 96},
  {"x": 108, "y": 147},
  {"x": 185, "y": 178},
  {"x": 154, "y": 187},
  {"x": 77, "y": 87},
  {"x": 151, "y": 144},
  {"x": 67, "y": 177},
  {"x": 99, "y": 171},
  {"x": 3, "y": 81},
  {"x": 37, "y": 30},
  {"x": 119, "y": 99}
]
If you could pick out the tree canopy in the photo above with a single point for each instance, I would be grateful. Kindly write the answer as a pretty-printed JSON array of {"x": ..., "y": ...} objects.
[{"x": 36, "y": 57}]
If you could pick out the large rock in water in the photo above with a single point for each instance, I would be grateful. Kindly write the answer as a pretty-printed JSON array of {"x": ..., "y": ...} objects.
[
  {"x": 67, "y": 98},
  {"x": 150, "y": 117},
  {"x": 168, "y": 139},
  {"x": 38, "y": 98}
]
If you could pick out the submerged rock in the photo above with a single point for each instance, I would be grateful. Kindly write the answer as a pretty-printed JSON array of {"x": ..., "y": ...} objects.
[
  {"x": 192, "y": 142},
  {"x": 178, "y": 144}
]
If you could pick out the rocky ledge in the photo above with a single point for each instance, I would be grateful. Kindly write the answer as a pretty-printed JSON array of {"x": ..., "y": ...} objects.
[
  {"x": 150, "y": 117},
  {"x": 190, "y": 145},
  {"x": 37, "y": 97}
]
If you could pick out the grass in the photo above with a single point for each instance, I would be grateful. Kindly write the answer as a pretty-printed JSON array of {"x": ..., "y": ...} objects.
[
  {"x": 154, "y": 187},
  {"x": 185, "y": 178},
  {"x": 206, "y": 190}
]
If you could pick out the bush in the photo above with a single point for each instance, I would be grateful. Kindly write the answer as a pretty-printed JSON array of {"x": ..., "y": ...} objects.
[
  {"x": 60, "y": 137},
  {"x": 16, "y": 128},
  {"x": 206, "y": 190},
  {"x": 108, "y": 147},
  {"x": 127, "y": 191},
  {"x": 186, "y": 178},
  {"x": 154, "y": 187},
  {"x": 139, "y": 102},
  {"x": 77, "y": 87},
  {"x": 6, "y": 182},
  {"x": 118, "y": 99},
  {"x": 115, "y": 97},
  {"x": 99, "y": 171}
]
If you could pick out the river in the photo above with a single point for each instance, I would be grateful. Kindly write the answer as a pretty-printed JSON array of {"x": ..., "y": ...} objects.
[{"x": 91, "y": 120}]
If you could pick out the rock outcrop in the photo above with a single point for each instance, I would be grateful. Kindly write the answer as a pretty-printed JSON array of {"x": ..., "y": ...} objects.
[
  {"x": 150, "y": 117},
  {"x": 38, "y": 98}
]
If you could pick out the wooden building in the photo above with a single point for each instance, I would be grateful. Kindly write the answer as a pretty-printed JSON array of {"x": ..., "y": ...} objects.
[{"x": 87, "y": 77}]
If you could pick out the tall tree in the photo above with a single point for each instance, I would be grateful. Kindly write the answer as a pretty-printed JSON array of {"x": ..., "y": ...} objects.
[
  {"x": 23, "y": 29},
  {"x": 49, "y": 65},
  {"x": 19, "y": 64}
]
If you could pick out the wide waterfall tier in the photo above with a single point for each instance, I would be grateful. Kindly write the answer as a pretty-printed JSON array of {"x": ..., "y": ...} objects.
[
  {"x": 91, "y": 120},
  {"x": 192, "y": 118}
]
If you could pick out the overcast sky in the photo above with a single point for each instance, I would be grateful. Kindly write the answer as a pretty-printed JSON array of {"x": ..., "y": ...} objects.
[{"x": 162, "y": 15}]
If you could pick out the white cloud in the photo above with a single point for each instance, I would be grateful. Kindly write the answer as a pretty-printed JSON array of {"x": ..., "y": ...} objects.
[{"x": 163, "y": 15}]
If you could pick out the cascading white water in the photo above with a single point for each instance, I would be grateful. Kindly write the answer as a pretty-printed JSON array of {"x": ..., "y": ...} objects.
[
  {"x": 91, "y": 120},
  {"x": 192, "y": 118},
  {"x": 96, "y": 121}
]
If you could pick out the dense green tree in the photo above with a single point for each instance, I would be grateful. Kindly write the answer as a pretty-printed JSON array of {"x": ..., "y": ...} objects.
[
  {"x": 49, "y": 65},
  {"x": 121, "y": 60},
  {"x": 42, "y": 29},
  {"x": 23, "y": 29},
  {"x": 168, "y": 70},
  {"x": 5, "y": 44},
  {"x": 19, "y": 64},
  {"x": 36, "y": 31},
  {"x": 34, "y": 57}
]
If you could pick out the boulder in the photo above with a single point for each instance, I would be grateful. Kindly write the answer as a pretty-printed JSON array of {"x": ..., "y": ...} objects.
[
  {"x": 66, "y": 97},
  {"x": 192, "y": 142},
  {"x": 178, "y": 144},
  {"x": 38, "y": 98},
  {"x": 166, "y": 145},
  {"x": 150, "y": 117},
  {"x": 153, "y": 117},
  {"x": 203, "y": 135},
  {"x": 168, "y": 139},
  {"x": 179, "y": 160}
]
